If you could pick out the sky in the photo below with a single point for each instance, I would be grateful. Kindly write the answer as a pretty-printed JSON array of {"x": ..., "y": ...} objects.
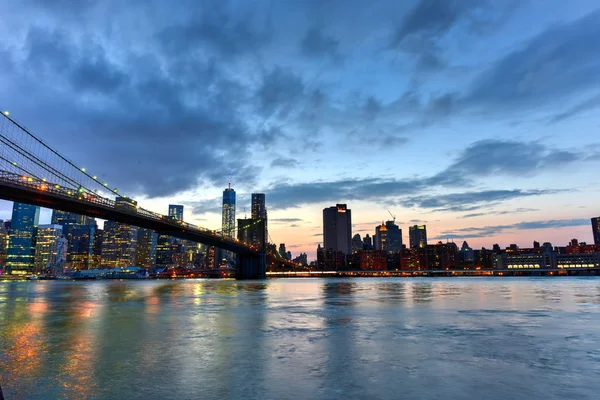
[{"x": 477, "y": 118}]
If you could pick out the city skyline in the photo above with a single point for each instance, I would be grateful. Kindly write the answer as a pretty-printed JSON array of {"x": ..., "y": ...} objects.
[{"x": 473, "y": 141}]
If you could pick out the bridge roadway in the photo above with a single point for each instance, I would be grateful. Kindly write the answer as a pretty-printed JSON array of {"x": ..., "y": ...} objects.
[{"x": 37, "y": 192}]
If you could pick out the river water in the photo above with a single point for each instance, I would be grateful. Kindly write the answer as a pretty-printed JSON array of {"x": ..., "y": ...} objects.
[{"x": 366, "y": 338}]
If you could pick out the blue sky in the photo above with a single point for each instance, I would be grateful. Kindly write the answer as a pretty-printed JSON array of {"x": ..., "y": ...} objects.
[{"x": 477, "y": 117}]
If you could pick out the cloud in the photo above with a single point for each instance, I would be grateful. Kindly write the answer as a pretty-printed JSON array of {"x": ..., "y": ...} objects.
[
  {"x": 285, "y": 220},
  {"x": 581, "y": 107},
  {"x": 283, "y": 162},
  {"x": 469, "y": 201},
  {"x": 490, "y": 212},
  {"x": 317, "y": 44},
  {"x": 508, "y": 157},
  {"x": 553, "y": 66},
  {"x": 492, "y": 230}
]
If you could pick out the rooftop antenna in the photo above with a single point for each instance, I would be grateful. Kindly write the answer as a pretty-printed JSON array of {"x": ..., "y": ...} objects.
[
  {"x": 229, "y": 177},
  {"x": 245, "y": 213},
  {"x": 393, "y": 216}
]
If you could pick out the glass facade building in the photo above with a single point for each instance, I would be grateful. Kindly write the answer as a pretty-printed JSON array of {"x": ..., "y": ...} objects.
[
  {"x": 418, "y": 236},
  {"x": 176, "y": 211},
  {"x": 21, "y": 245}
]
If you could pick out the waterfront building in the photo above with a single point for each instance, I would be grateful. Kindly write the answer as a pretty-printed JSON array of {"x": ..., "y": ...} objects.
[
  {"x": 21, "y": 247},
  {"x": 337, "y": 229},
  {"x": 596, "y": 230},
  {"x": 176, "y": 211},
  {"x": 97, "y": 248},
  {"x": 417, "y": 236},
  {"x": 81, "y": 244},
  {"x": 164, "y": 254},
  {"x": 373, "y": 260},
  {"x": 46, "y": 247},
  {"x": 3, "y": 242},
  {"x": 119, "y": 244},
  {"x": 145, "y": 255}
]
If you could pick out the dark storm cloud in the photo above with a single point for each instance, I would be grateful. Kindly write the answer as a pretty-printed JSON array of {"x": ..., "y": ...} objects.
[
  {"x": 150, "y": 109},
  {"x": 284, "y": 162},
  {"x": 468, "y": 201},
  {"x": 318, "y": 44},
  {"x": 556, "y": 64},
  {"x": 488, "y": 231}
]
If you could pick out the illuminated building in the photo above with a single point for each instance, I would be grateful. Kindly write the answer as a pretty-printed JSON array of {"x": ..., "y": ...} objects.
[
  {"x": 228, "y": 220},
  {"x": 176, "y": 212},
  {"x": 337, "y": 229},
  {"x": 418, "y": 236},
  {"x": 330, "y": 260},
  {"x": 46, "y": 246},
  {"x": 381, "y": 238},
  {"x": 20, "y": 252},
  {"x": 373, "y": 260},
  {"x": 81, "y": 245},
  {"x": 3, "y": 242},
  {"x": 596, "y": 230},
  {"x": 97, "y": 251},
  {"x": 145, "y": 255},
  {"x": 252, "y": 231},
  {"x": 164, "y": 253},
  {"x": 259, "y": 210},
  {"x": 394, "y": 237},
  {"x": 120, "y": 240}
]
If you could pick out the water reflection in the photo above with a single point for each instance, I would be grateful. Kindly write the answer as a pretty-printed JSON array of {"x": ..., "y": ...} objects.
[{"x": 301, "y": 338}]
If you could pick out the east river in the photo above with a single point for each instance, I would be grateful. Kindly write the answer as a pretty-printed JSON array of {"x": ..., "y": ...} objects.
[{"x": 369, "y": 338}]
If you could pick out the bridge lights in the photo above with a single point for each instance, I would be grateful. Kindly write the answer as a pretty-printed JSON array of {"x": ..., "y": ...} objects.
[
  {"x": 82, "y": 169},
  {"x": 106, "y": 184},
  {"x": 95, "y": 177},
  {"x": 6, "y": 113}
]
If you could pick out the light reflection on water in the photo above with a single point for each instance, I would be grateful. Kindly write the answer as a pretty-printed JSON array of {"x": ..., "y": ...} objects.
[{"x": 458, "y": 338}]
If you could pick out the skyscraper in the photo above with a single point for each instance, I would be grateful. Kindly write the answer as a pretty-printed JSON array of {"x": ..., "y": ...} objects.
[
  {"x": 337, "y": 228},
  {"x": 259, "y": 210},
  {"x": 119, "y": 244},
  {"x": 357, "y": 243},
  {"x": 394, "y": 234},
  {"x": 381, "y": 237},
  {"x": 418, "y": 236},
  {"x": 145, "y": 255},
  {"x": 46, "y": 246},
  {"x": 228, "y": 221},
  {"x": 596, "y": 230},
  {"x": 176, "y": 211},
  {"x": 20, "y": 253},
  {"x": 252, "y": 231}
]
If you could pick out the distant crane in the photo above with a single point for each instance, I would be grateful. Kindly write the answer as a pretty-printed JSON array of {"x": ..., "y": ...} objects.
[{"x": 393, "y": 216}]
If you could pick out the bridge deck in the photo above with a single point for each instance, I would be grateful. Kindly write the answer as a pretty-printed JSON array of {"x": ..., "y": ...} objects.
[{"x": 37, "y": 192}]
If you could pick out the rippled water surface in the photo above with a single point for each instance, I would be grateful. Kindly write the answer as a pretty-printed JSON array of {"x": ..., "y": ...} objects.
[{"x": 456, "y": 338}]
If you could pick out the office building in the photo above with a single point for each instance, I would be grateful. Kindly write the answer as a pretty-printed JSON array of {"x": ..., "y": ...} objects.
[
  {"x": 357, "y": 243},
  {"x": 176, "y": 211},
  {"x": 417, "y": 236},
  {"x": 259, "y": 210},
  {"x": 381, "y": 238},
  {"x": 3, "y": 243},
  {"x": 252, "y": 231},
  {"x": 228, "y": 220},
  {"x": 394, "y": 237},
  {"x": 282, "y": 251},
  {"x": 367, "y": 242},
  {"x": 164, "y": 252},
  {"x": 46, "y": 247},
  {"x": 596, "y": 230},
  {"x": 21, "y": 246},
  {"x": 337, "y": 228},
  {"x": 145, "y": 252},
  {"x": 119, "y": 245},
  {"x": 81, "y": 244}
]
